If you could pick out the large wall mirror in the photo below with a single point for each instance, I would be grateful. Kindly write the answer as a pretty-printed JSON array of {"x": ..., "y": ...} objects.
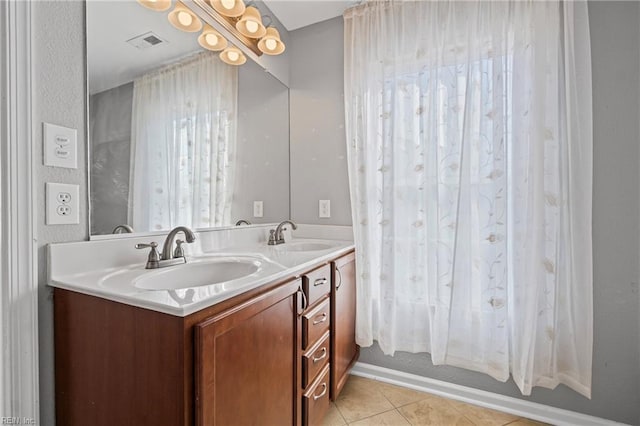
[{"x": 176, "y": 136}]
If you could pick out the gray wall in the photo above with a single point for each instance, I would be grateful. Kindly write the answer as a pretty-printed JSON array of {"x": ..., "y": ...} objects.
[
  {"x": 262, "y": 155},
  {"x": 319, "y": 172},
  {"x": 317, "y": 139},
  {"x": 318, "y": 147},
  {"x": 110, "y": 140},
  {"x": 58, "y": 97}
]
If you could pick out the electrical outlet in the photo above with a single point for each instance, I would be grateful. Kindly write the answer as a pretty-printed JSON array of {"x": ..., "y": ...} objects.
[
  {"x": 257, "y": 209},
  {"x": 62, "y": 204},
  {"x": 63, "y": 197},
  {"x": 324, "y": 208},
  {"x": 63, "y": 210}
]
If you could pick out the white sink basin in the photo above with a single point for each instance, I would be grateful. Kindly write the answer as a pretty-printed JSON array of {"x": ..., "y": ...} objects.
[
  {"x": 305, "y": 246},
  {"x": 197, "y": 274}
]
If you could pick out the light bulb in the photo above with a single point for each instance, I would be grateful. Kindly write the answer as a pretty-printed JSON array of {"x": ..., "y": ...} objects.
[
  {"x": 271, "y": 44},
  {"x": 252, "y": 26},
  {"x": 233, "y": 56},
  {"x": 211, "y": 39},
  {"x": 184, "y": 18},
  {"x": 228, "y": 4}
]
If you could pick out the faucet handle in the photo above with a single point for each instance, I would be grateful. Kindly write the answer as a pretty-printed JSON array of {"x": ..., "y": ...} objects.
[
  {"x": 272, "y": 237},
  {"x": 153, "y": 261},
  {"x": 152, "y": 244},
  {"x": 179, "y": 251}
]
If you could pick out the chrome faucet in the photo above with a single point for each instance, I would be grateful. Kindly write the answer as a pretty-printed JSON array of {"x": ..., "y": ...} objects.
[
  {"x": 275, "y": 235},
  {"x": 169, "y": 256},
  {"x": 168, "y": 243}
]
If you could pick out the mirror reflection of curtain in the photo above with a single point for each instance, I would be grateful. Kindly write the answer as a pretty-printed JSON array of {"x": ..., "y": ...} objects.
[{"x": 183, "y": 145}]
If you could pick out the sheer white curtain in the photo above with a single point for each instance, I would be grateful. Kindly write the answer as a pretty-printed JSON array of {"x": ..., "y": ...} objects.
[
  {"x": 470, "y": 166},
  {"x": 183, "y": 145}
]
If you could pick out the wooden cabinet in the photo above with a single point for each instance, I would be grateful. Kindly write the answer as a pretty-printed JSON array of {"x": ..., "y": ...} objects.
[
  {"x": 272, "y": 355},
  {"x": 317, "y": 283},
  {"x": 315, "y": 321},
  {"x": 315, "y": 345},
  {"x": 246, "y": 362},
  {"x": 314, "y": 359},
  {"x": 316, "y": 399},
  {"x": 343, "y": 321}
]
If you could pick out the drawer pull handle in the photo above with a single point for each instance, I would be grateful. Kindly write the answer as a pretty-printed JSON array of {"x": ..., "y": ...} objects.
[
  {"x": 321, "y": 320},
  {"x": 321, "y": 357},
  {"x": 324, "y": 391},
  {"x": 320, "y": 281}
]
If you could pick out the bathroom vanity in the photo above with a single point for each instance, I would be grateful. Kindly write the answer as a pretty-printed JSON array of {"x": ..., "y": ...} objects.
[{"x": 274, "y": 353}]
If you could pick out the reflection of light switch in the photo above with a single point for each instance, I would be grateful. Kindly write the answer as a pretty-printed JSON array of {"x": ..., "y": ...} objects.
[
  {"x": 60, "y": 146},
  {"x": 257, "y": 209}
]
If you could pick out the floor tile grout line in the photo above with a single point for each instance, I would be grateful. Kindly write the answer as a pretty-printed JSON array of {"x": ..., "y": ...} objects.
[
  {"x": 408, "y": 403},
  {"x": 368, "y": 417},
  {"x": 380, "y": 385},
  {"x": 339, "y": 413},
  {"x": 412, "y": 402},
  {"x": 403, "y": 416},
  {"x": 377, "y": 389}
]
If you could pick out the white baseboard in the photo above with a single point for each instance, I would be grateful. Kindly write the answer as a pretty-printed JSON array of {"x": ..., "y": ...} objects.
[{"x": 515, "y": 406}]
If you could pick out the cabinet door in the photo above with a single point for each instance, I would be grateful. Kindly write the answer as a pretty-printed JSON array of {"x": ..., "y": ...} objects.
[
  {"x": 343, "y": 321},
  {"x": 246, "y": 362}
]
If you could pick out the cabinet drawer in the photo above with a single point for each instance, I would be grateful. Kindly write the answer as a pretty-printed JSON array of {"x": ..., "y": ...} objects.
[
  {"x": 315, "y": 359},
  {"x": 315, "y": 401},
  {"x": 315, "y": 323},
  {"x": 317, "y": 283}
]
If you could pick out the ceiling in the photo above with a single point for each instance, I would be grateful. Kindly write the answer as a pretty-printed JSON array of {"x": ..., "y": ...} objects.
[
  {"x": 296, "y": 14},
  {"x": 111, "y": 23}
]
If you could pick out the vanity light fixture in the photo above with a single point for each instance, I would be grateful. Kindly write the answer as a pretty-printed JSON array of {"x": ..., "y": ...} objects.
[
  {"x": 244, "y": 22},
  {"x": 271, "y": 43},
  {"x": 233, "y": 56},
  {"x": 211, "y": 39},
  {"x": 184, "y": 19},
  {"x": 157, "y": 5},
  {"x": 229, "y": 8},
  {"x": 250, "y": 24}
]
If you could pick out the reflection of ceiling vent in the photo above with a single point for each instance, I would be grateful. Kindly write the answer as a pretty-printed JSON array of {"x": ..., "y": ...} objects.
[{"x": 146, "y": 40}]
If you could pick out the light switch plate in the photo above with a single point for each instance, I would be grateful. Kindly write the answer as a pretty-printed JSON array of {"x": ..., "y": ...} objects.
[
  {"x": 62, "y": 204},
  {"x": 60, "y": 146},
  {"x": 324, "y": 208},
  {"x": 258, "y": 209}
]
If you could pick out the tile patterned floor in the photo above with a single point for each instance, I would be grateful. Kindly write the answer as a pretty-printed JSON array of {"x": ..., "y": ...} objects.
[{"x": 370, "y": 402}]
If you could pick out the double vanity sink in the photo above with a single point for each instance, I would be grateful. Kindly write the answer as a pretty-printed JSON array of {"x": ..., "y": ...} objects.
[
  {"x": 242, "y": 324},
  {"x": 224, "y": 270},
  {"x": 206, "y": 278}
]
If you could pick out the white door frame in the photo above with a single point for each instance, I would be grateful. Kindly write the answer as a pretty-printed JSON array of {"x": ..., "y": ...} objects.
[{"x": 19, "y": 387}]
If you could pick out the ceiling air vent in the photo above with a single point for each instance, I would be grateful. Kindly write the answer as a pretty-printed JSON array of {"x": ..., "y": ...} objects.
[{"x": 146, "y": 40}]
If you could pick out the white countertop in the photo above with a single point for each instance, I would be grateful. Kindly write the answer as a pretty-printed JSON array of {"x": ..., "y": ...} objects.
[{"x": 116, "y": 281}]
